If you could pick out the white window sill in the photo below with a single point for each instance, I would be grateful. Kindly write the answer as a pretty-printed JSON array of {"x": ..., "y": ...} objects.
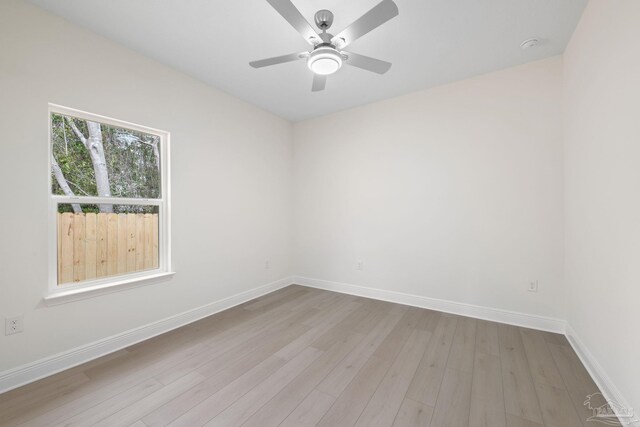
[{"x": 75, "y": 293}]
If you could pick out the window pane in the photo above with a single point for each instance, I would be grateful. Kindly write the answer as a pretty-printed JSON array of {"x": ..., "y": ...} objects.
[
  {"x": 93, "y": 244},
  {"x": 96, "y": 159}
]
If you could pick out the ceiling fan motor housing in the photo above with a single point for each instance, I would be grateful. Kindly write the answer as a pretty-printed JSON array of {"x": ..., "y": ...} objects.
[{"x": 324, "y": 19}]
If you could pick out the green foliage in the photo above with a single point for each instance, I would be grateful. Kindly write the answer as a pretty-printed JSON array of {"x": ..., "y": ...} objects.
[
  {"x": 85, "y": 208},
  {"x": 88, "y": 208},
  {"x": 132, "y": 160}
]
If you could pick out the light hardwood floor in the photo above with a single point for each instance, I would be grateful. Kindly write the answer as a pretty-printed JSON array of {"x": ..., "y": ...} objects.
[{"x": 303, "y": 357}]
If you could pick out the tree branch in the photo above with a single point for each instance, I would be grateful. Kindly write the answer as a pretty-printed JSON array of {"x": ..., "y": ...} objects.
[
  {"x": 66, "y": 143},
  {"x": 62, "y": 182},
  {"x": 156, "y": 151},
  {"x": 75, "y": 129},
  {"x": 79, "y": 188}
]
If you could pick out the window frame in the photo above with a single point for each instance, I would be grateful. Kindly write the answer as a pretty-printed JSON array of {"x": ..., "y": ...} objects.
[{"x": 61, "y": 293}]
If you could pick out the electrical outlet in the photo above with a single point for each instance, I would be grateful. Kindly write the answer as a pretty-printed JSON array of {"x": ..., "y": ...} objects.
[
  {"x": 533, "y": 286},
  {"x": 13, "y": 325},
  {"x": 267, "y": 265},
  {"x": 360, "y": 265}
]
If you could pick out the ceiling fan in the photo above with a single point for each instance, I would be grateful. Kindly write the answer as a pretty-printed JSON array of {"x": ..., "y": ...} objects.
[{"x": 327, "y": 55}]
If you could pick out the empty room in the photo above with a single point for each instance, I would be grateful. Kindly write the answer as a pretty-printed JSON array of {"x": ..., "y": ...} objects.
[{"x": 320, "y": 213}]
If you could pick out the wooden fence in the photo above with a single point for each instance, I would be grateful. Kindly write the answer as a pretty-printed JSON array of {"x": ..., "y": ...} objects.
[{"x": 93, "y": 245}]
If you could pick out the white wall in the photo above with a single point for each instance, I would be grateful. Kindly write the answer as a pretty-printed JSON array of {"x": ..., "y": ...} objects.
[
  {"x": 452, "y": 193},
  {"x": 602, "y": 186},
  {"x": 231, "y": 181}
]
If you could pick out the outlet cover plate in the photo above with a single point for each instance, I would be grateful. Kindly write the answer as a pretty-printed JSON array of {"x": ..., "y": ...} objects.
[{"x": 13, "y": 325}]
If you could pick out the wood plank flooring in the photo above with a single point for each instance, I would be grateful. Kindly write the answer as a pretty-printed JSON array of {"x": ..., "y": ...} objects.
[{"x": 304, "y": 357}]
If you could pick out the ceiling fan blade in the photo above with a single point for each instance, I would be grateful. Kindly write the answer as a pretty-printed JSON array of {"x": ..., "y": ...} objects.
[
  {"x": 319, "y": 82},
  {"x": 371, "y": 20},
  {"x": 278, "y": 60},
  {"x": 367, "y": 63},
  {"x": 295, "y": 18}
]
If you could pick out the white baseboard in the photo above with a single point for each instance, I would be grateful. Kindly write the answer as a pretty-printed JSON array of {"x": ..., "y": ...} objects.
[
  {"x": 542, "y": 323},
  {"x": 602, "y": 380},
  {"x": 42, "y": 368}
]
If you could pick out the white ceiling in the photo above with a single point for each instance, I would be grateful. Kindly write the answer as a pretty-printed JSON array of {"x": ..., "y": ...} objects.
[{"x": 431, "y": 42}]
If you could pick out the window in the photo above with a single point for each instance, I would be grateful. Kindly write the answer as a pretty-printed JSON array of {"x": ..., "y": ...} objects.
[{"x": 109, "y": 204}]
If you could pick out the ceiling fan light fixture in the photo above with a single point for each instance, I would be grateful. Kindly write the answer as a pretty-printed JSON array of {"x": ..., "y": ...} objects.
[{"x": 324, "y": 61}]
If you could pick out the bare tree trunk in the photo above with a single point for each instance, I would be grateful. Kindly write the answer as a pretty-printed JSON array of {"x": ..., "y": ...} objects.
[
  {"x": 62, "y": 182},
  {"x": 96, "y": 151}
]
